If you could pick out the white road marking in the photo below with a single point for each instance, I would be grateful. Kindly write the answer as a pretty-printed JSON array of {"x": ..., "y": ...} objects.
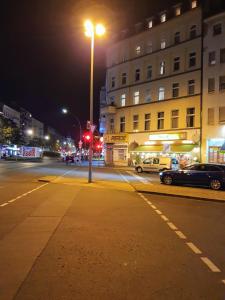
[
  {"x": 172, "y": 226},
  {"x": 164, "y": 218},
  {"x": 194, "y": 248},
  {"x": 12, "y": 200},
  {"x": 143, "y": 180},
  {"x": 158, "y": 212},
  {"x": 124, "y": 178},
  {"x": 210, "y": 264},
  {"x": 4, "y": 204},
  {"x": 153, "y": 206},
  {"x": 180, "y": 234}
]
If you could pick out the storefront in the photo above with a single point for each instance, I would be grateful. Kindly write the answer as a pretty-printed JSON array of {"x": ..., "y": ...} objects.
[
  {"x": 116, "y": 149},
  {"x": 216, "y": 151}
]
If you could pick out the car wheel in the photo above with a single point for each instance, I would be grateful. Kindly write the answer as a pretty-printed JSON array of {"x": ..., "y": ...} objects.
[
  {"x": 215, "y": 184},
  {"x": 139, "y": 170},
  {"x": 168, "y": 180}
]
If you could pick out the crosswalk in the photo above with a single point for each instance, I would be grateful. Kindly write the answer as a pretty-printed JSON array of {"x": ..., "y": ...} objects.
[{"x": 139, "y": 178}]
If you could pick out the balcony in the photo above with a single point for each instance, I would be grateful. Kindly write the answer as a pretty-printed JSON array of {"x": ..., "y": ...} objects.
[{"x": 108, "y": 110}]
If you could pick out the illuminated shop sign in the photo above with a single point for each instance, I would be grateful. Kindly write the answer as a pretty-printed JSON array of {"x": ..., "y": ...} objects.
[
  {"x": 168, "y": 136},
  {"x": 115, "y": 138}
]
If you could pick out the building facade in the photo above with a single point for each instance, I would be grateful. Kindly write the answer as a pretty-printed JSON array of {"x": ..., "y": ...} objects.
[
  {"x": 213, "y": 129},
  {"x": 10, "y": 113},
  {"x": 38, "y": 128},
  {"x": 153, "y": 86}
]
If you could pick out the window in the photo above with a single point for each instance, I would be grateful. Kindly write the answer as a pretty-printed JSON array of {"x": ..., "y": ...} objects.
[
  {"x": 193, "y": 4},
  {"x": 192, "y": 59},
  {"x": 137, "y": 74},
  {"x": 212, "y": 58},
  {"x": 174, "y": 118},
  {"x": 124, "y": 78},
  {"x": 160, "y": 122},
  {"x": 211, "y": 113},
  {"x": 177, "y": 11},
  {"x": 150, "y": 24},
  {"x": 190, "y": 117},
  {"x": 163, "y": 18},
  {"x": 149, "y": 47},
  {"x": 163, "y": 44},
  {"x": 222, "y": 56},
  {"x": 148, "y": 96},
  {"x": 193, "y": 31},
  {"x": 177, "y": 38},
  {"x": 222, "y": 114},
  {"x": 217, "y": 29},
  {"x": 211, "y": 85},
  {"x": 176, "y": 64},
  {"x": 191, "y": 87},
  {"x": 123, "y": 100},
  {"x": 175, "y": 92},
  {"x": 162, "y": 68},
  {"x": 149, "y": 72},
  {"x": 112, "y": 100},
  {"x": 147, "y": 121},
  {"x": 161, "y": 93},
  {"x": 111, "y": 125},
  {"x": 113, "y": 82},
  {"x": 135, "y": 122},
  {"x": 138, "y": 50},
  {"x": 222, "y": 83},
  {"x": 122, "y": 124},
  {"x": 136, "y": 97}
]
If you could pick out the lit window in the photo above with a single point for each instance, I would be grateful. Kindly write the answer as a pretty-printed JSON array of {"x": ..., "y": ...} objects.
[
  {"x": 147, "y": 121},
  {"x": 123, "y": 100},
  {"x": 137, "y": 74},
  {"x": 163, "y": 44},
  {"x": 136, "y": 97},
  {"x": 163, "y": 18},
  {"x": 135, "y": 122},
  {"x": 124, "y": 78},
  {"x": 212, "y": 58},
  {"x": 191, "y": 87},
  {"x": 174, "y": 118},
  {"x": 190, "y": 117},
  {"x": 160, "y": 121},
  {"x": 150, "y": 24},
  {"x": 138, "y": 50},
  {"x": 193, "y": 3},
  {"x": 161, "y": 93},
  {"x": 162, "y": 68},
  {"x": 177, "y": 11},
  {"x": 175, "y": 92}
]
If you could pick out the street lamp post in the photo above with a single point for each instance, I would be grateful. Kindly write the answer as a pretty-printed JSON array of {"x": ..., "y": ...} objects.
[{"x": 91, "y": 31}]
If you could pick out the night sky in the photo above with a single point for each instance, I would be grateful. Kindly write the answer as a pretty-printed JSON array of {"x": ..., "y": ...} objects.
[{"x": 45, "y": 56}]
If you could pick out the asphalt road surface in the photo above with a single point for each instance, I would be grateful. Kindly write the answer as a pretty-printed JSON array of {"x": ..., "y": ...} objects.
[{"x": 63, "y": 238}]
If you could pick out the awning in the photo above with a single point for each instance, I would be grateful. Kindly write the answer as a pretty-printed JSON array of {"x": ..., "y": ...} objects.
[
  {"x": 148, "y": 148},
  {"x": 182, "y": 148},
  {"x": 159, "y": 148}
]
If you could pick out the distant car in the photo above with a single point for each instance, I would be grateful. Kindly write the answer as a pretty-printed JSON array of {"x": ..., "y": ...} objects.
[
  {"x": 208, "y": 175},
  {"x": 157, "y": 164}
]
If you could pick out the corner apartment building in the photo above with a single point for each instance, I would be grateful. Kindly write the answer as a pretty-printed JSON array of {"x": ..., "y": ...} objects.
[
  {"x": 213, "y": 127},
  {"x": 153, "y": 86}
]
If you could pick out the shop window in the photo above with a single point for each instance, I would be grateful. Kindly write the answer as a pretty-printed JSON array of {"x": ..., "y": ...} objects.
[
  {"x": 212, "y": 58},
  {"x": 191, "y": 87},
  {"x": 211, "y": 114},
  {"x": 111, "y": 125},
  {"x": 193, "y": 31},
  {"x": 190, "y": 117},
  {"x": 113, "y": 82},
  {"x": 148, "y": 96},
  {"x": 174, "y": 118},
  {"x": 149, "y": 72},
  {"x": 123, "y": 99},
  {"x": 161, "y": 93},
  {"x": 175, "y": 92},
  {"x": 211, "y": 85},
  {"x": 137, "y": 74},
  {"x": 147, "y": 121},
  {"x": 135, "y": 122},
  {"x": 177, "y": 38},
  {"x": 124, "y": 78},
  {"x": 160, "y": 121},
  {"x": 122, "y": 124},
  {"x": 217, "y": 29},
  {"x": 222, "y": 56},
  {"x": 136, "y": 97},
  {"x": 163, "y": 44},
  {"x": 192, "y": 59},
  {"x": 176, "y": 64},
  {"x": 162, "y": 68},
  {"x": 222, "y": 83},
  {"x": 222, "y": 114}
]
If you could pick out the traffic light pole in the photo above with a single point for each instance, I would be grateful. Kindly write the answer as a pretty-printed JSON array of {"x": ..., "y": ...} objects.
[{"x": 91, "y": 108}]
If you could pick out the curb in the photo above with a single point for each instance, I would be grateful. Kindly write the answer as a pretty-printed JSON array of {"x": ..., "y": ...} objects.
[{"x": 182, "y": 196}]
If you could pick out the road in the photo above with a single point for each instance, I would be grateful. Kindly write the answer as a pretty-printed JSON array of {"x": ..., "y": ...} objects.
[{"x": 63, "y": 238}]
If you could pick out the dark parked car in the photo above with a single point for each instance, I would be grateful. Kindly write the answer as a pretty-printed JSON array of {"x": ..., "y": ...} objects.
[{"x": 210, "y": 175}]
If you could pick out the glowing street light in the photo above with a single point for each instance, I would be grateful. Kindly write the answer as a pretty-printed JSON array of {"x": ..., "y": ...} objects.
[
  {"x": 30, "y": 132},
  {"x": 47, "y": 137},
  {"x": 64, "y": 110},
  {"x": 92, "y": 30}
]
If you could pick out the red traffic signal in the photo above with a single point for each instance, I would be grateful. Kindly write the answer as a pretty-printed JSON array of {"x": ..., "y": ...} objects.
[
  {"x": 99, "y": 146},
  {"x": 87, "y": 137}
]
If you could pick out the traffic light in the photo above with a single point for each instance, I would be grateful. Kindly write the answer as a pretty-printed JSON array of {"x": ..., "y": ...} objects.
[
  {"x": 98, "y": 146},
  {"x": 87, "y": 137}
]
